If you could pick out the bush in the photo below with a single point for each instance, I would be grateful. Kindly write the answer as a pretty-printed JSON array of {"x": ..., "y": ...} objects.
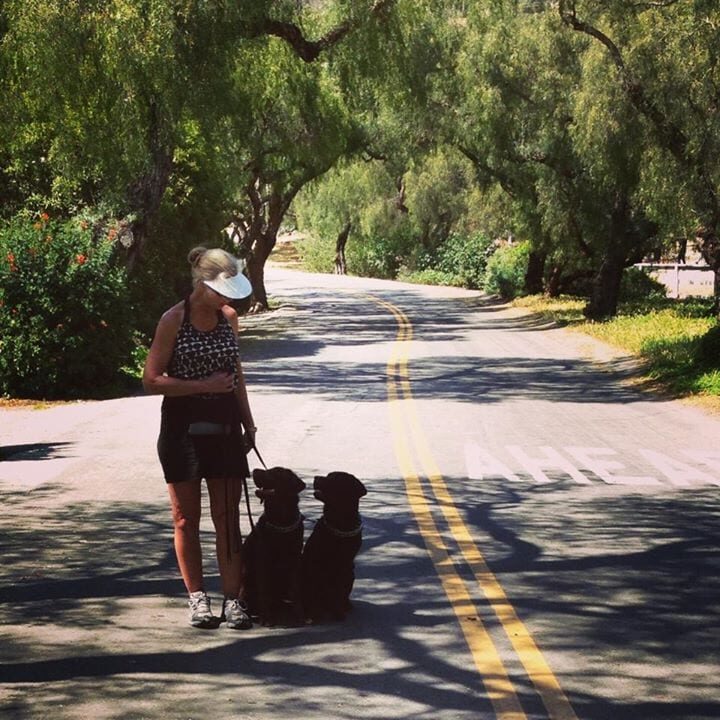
[
  {"x": 65, "y": 316},
  {"x": 428, "y": 277},
  {"x": 466, "y": 258},
  {"x": 317, "y": 254},
  {"x": 638, "y": 285},
  {"x": 708, "y": 348},
  {"x": 506, "y": 268}
]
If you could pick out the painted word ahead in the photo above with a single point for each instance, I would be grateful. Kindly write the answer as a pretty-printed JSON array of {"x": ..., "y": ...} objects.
[{"x": 587, "y": 465}]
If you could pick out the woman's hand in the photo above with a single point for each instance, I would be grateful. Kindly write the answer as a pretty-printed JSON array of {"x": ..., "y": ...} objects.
[
  {"x": 249, "y": 438},
  {"x": 220, "y": 382}
]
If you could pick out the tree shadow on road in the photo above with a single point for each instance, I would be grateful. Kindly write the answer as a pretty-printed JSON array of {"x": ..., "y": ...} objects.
[
  {"x": 626, "y": 584},
  {"x": 627, "y": 577},
  {"x": 299, "y": 361},
  {"x": 34, "y": 451}
]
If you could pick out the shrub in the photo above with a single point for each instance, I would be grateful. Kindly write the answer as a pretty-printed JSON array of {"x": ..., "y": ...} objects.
[
  {"x": 428, "y": 277},
  {"x": 317, "y": 254},
  {"x": 506, "y": 268},
  {"x": 708, "y": 348},
  {"x": 65, "y": 317},
  {"x": 466, "y": 258},
  {"x": 638, "y": 285}
]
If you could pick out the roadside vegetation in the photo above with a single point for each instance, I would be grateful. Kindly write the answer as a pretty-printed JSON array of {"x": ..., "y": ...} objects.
[{"x": 677, "y": 340}]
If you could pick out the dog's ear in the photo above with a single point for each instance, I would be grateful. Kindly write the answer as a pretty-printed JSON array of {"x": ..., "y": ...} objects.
[
  {"x": 259, "y": 475},
  {"x": 342, "y": 482},
  {"x": 299, "y": 485},
  {"x": 360, "y": 488},
  {"x": 355, "y": 486}
]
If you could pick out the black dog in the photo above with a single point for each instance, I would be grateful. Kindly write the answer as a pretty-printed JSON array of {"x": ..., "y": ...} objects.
[
  {"x": 272, "y": 550},
  {"x": 328, "y": 567}
]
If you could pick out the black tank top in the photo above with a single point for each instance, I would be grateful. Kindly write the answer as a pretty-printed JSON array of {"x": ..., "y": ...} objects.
[{"x": 198, "y": 354}]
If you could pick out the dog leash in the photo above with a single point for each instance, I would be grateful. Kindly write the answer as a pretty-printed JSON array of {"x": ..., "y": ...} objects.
[{"x": 245, "y": 485}]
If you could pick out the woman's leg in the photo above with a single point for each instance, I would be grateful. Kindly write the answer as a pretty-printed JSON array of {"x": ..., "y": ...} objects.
[
  {"x": 225, "y": 498},
  {"x": 185, "y": 502}
]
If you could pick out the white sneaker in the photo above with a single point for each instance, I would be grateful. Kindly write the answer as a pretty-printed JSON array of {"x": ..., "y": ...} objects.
[
  {"x": 235, "y": 614},
  {"x": 200, "y": 613}
]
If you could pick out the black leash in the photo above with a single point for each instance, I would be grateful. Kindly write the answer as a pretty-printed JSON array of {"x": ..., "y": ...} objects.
[{"x": 245, "y": 485}]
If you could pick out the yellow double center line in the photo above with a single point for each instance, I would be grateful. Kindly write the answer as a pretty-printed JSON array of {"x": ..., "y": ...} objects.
[{"x": 406, "y": 432}]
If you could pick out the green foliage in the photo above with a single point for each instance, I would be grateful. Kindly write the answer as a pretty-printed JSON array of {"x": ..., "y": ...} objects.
[
  {"x": 317, "y": 254},
  {"x": 429, "y": 276},
  {"x": 363, "y": 194},
  {"x": 194, "y": 211},
  {"x": 506, "y": 270},
  {"x": 637, "y": 285},
  {"x": 708, "y": 348},
  {"x": 65, "y": 316},
  {"x": 437, "y": 196},
  {"x": 466, "y": 259},
  {"x": 678, "y": 340}
]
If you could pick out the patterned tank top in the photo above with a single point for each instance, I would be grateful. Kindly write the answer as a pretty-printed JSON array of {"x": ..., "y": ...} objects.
[{"x": 199, "y": 353}]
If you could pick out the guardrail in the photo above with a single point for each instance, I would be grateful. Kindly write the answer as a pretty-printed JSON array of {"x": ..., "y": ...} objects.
[{"x": 682, "y": 280}]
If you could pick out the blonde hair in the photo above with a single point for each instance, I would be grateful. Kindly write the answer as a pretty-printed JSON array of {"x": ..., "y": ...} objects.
[{"x": 208, "y": 264}]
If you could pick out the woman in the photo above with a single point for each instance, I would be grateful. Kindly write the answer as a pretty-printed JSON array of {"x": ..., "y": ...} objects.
[{"x": 194, "y": 362}]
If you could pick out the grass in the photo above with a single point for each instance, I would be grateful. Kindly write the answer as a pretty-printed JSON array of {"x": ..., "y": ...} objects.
[{"x": 664, "y": 333}]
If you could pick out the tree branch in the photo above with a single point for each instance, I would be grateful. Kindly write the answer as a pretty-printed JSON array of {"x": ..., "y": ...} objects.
[
  {"x": 310, "y": 50},
  {"x": 657, "y": 4},
  {"x": 672, "y": 136},
  {"x": 505, "y": 181}
]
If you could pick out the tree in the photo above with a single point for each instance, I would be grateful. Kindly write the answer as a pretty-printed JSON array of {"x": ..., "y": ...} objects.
[
  {"x": 528, "y": 115},
  {"x": 665, "y": 58},
  {"x": 104, "y": 93},
  {"x": 301, "y": 128}
]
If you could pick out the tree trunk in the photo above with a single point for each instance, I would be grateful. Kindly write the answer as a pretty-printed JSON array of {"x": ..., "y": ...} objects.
[
  {"x": 342, "y": 238},
  {"x": 605, "y": 291},
  {"x": 146, "y": 194},
  {"x": 256, "y": 272},
  {"x": 263, "y": 243},
  {"x": 534, "y": 276},
  {"x": 554, "y": 282},
  {"x": 708, "y": 243},
  {"x": 603, "y": 301}
]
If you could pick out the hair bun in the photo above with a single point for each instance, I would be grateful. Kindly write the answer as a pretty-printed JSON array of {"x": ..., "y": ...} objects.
[{"x": 195, "y": 254}]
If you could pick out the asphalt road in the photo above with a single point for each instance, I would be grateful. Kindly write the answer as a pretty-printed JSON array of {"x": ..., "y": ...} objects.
[{"x": 540, "y": 536}]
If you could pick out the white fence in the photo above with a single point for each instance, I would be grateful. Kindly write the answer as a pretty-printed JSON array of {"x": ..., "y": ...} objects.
[{"x": 682, "y": 280}]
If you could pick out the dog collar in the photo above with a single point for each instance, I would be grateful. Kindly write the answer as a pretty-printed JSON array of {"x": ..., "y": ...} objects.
[
  {"x": 341, "y": 533},
  {"x": 281, "y": 528}
]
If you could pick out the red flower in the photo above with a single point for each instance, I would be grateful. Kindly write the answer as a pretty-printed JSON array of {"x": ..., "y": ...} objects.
[
  {"x": 111, "y": 234},
  {"x": 11, "y": 262},
  {"x": 44, "y": 217},
  {"x": 80, "y": 259}
]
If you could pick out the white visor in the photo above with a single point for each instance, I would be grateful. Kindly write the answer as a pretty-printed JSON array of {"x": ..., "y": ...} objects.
[{"x": 233, "y": 287}]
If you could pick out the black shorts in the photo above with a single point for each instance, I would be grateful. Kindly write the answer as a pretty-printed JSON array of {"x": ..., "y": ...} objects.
[{"x": 192, "y": 457}]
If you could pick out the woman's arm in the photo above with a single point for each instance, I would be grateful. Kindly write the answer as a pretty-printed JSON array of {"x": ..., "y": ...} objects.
[{"x": 156, "y": 382}]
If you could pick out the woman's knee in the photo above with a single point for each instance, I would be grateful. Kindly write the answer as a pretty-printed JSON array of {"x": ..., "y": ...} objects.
[
  {"x": 185, "y": 504},
  {"x": 224, "y": 502},
  {"x": 219, "y": 514},
  {"x": 185, "y": 523}
]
